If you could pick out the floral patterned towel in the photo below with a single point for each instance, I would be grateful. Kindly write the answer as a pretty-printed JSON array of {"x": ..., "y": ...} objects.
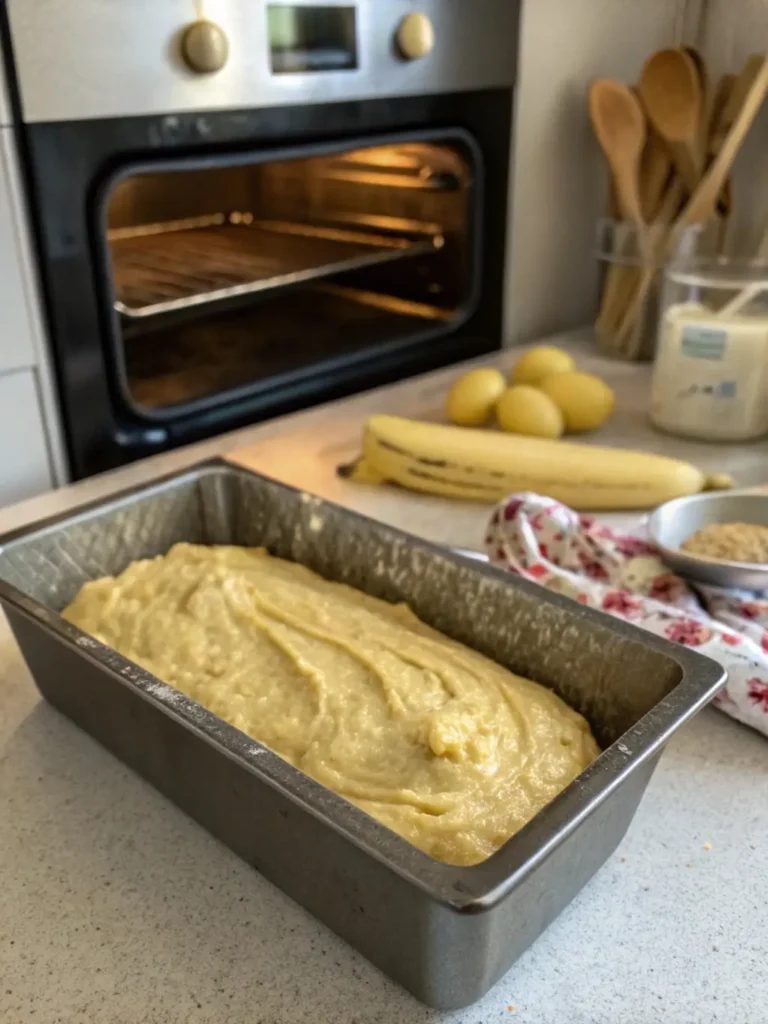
[{"x": 621, "y": 574}]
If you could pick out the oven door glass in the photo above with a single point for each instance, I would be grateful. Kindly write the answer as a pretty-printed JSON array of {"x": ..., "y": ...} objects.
[{"x": 233, "y": 278}]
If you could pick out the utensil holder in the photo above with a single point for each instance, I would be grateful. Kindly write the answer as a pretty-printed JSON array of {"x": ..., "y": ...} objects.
[{"x": 627, "y": 321}]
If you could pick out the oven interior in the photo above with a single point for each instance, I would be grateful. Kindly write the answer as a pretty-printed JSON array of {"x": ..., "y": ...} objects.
[{"x": 229, "y": 278}]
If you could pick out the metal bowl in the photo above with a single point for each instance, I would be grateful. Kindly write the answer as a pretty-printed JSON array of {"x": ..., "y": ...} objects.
[{"x": 673, "y": 523}]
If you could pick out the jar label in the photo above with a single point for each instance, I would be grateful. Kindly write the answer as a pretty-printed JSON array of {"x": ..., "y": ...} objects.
[
  {"x": 703, "y": 342},
  {"x": 711, "y": 375}
]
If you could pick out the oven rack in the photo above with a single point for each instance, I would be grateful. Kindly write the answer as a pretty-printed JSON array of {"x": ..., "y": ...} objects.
[
  {"x": 200, "y": 362},
  {"x": 161, "y": 268}
]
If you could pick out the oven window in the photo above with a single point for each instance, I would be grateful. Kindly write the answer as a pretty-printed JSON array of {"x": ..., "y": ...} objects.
[{"x": 235, "y": 278}]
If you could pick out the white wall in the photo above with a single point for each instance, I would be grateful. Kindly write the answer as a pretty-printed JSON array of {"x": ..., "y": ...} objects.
[
  {"x": 732, "y": 31},
  {"x": 559, "y": 184}
]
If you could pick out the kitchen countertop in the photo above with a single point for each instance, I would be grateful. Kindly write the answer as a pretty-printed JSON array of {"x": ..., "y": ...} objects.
[{"x": 115, "y": 907}]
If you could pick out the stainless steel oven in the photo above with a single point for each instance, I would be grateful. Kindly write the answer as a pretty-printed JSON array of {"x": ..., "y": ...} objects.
[{"x": 247, "y": 210}]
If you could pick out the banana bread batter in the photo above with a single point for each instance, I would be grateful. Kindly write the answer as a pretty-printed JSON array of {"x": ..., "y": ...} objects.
[{"x": 434, "y": 740}]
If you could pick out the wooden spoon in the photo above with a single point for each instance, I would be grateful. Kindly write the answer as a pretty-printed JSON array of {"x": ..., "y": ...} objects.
[
  {"x": 655, "y": 170},
  {"x": 733, "y": 101},
  {"x": 721, "y": 98},
  {"x": 716, "y": 133},
  {"x": 670, "y": 90},
  {"x": 621, "y": 283},
  {"x": 701, "y": 204},
  {"x": 619, "y": 125},
  {"x": 707, "y": 99}
]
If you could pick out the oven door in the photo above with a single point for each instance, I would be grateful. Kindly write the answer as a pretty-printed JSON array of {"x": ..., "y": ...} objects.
[
  {"x": 196, "y": 286},
  {"x": 233, "y": 280}
]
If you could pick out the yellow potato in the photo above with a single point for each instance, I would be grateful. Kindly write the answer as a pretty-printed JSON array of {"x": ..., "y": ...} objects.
[
  {"x": 526, "y": 410},
  {"x": 539, "y": 363},
  {"x": 472, "y": 398},
  {"x": 585, "y": 401}
]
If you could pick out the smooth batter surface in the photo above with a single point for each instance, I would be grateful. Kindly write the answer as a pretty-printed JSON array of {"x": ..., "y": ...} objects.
[{"x": 437, "y": 742}]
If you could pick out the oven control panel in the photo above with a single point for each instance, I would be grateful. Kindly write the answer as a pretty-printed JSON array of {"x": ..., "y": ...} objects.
[
  {"x": 205, "y": 47},
  {"x": 149, "y": 58}
]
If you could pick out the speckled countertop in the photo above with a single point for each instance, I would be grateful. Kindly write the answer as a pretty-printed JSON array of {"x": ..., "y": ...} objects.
[{"x": 116, "y": 908}]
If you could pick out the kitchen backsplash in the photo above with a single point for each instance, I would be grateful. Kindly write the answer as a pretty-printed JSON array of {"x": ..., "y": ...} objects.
[{"x": 559, "y": 184}]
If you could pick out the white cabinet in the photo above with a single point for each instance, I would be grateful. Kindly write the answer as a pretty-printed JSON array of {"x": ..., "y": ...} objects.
[
  {"x": 27, "y": 387},
  {"x": 17, "y": 348},
  {"x": 25, "y": 468}
]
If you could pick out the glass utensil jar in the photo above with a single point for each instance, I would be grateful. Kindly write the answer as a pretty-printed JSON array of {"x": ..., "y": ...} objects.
[
  {"x": 710, "y": 377},
  {"x": 629, "y": 306}
]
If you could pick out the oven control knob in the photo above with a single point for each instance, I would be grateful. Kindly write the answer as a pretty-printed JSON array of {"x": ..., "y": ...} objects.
[
  {"x": 204, "y": 46},
  {"x": 415, "y": 36}
]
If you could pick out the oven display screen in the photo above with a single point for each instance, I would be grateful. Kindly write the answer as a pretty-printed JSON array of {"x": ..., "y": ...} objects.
[{"x": 311, "y": 38}]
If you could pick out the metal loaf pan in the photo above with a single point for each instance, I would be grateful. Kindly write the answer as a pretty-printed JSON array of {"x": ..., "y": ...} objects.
[{"x": 445, "y": 933}]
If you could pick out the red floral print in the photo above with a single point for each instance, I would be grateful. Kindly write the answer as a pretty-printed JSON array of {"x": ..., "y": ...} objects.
[
  {"x": 512, "y": 508},
  {"x": 688, "y": 632},
  {"x": 667, "y": 588},
  {"x": 620, "y": 602},
  {"x": 633, "y": 546},
  {"x": 582, "y": 598},
  {"x": 587, "y": 522},
  {"x": 731, "y": 639},
  {"x": 758, "y": 693},
  {"x": 537, "y": 571},
  {"x": 764, "y": 642},
  {"x": 592, "y": 567}
]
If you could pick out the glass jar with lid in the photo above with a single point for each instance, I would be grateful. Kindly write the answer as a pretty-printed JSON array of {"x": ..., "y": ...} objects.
[{"x": 710, "y": 375}]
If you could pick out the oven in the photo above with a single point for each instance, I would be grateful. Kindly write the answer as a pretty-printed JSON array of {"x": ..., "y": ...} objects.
[{"x": 249, "y": 208}]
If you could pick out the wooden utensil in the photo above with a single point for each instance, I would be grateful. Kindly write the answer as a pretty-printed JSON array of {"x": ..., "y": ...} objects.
[
  {"x": 729, "y": 98},
  {"x": 619, "y": 125},
  {"x": 655, "y": 171},
  {"x": 701, "y": 204},
  {"x": 631, "y": 307},
  {"x": 720, "y": 98},
  {"x": 707, "y": 99},
  {"x": 670, "y": 90},
  {"x": 751, "y": 291},
  {"x": 706, "y": 120},
  {"x": 733, "y": 102}
]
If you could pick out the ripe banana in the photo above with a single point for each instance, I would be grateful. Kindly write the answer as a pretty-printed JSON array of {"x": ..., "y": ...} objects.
[{"x": 485, "y": 466}]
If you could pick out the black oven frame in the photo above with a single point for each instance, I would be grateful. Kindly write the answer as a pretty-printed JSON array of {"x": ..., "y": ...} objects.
[{"x": 66, "y": 165}]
